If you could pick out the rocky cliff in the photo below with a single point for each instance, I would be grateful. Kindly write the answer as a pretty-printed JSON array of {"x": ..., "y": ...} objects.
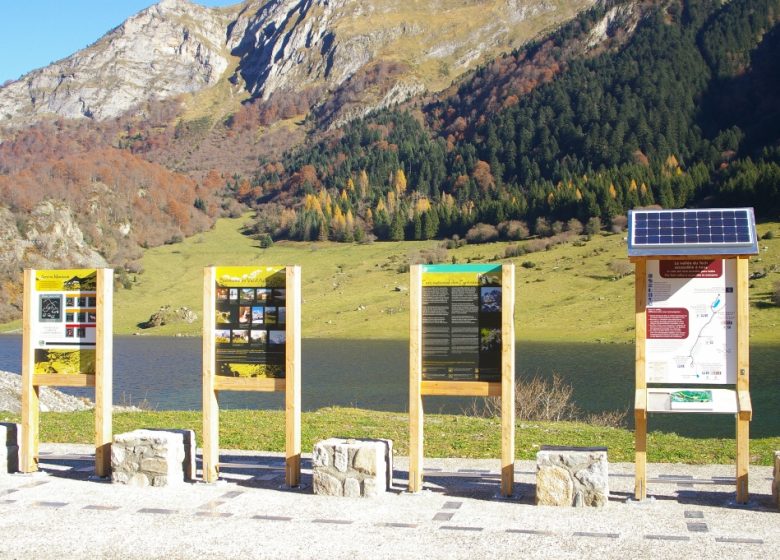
[
  {"x": 261, "y": 48},
  {"x": 171, "y": 48}
]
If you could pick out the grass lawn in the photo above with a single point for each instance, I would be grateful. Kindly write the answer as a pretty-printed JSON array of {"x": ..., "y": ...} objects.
[{"x": 445, "y": 435}]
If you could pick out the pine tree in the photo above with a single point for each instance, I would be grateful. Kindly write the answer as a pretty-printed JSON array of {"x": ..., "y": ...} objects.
[{"x": 397, "y": 228}]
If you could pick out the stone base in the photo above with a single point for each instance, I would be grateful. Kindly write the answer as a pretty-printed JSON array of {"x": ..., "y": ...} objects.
[
  {"x": 352, "y": 467},
  {"x": 776, "y": 480},
  {"x": 9, "y": 447},
  {"x": 572, "y": 476},
  {"x": 188, "y": 464},
  {"x": 148, "y": 458}
]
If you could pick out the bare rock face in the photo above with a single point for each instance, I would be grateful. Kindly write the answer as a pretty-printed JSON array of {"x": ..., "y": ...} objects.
[
  {"x": 166, "y": 315},
  {"x": 267, "y": 47},
  {"x": 57, "y": 238},
  {"x": 170, "y": 48}
]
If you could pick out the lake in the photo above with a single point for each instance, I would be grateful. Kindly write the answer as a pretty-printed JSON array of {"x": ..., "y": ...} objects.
[{"x": 373, "y": 374}]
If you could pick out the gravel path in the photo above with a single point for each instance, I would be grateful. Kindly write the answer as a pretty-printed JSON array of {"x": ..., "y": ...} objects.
[
  {"x": 52, "y": 400},
  {"x": 62, "y": 513}
]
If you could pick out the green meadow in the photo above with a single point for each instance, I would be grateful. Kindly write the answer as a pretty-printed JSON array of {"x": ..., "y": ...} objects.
[{"x": 360, "y": 291}]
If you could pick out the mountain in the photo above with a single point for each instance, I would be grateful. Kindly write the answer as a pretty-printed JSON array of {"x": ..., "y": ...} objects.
[
  {"x": 630, "y": 104},
  {"x": 171, "y": 48},
  {"x": 384, "y": 119},
  {"x": 259, "y": 49}
]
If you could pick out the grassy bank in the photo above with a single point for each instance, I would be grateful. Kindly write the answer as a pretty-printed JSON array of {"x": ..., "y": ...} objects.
[
  {"x": 445, "y": 435},
  {"x": 352, "y": 291},
  {"x": 567, "y": 293}
]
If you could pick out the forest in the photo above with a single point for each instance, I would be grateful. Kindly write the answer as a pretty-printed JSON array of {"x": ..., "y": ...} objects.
[{"x": 683, "y": 111}]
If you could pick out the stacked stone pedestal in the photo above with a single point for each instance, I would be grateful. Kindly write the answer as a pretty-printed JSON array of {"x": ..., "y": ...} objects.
[
  {"x": 148, "y": 458},
  {"x": 9, "y": 447},
  {"x": 776, "y": 480},
  {"x": 188, "y": 463},
  {"x": 572, "y": 476},
  {"x": 352, "y": 467}
]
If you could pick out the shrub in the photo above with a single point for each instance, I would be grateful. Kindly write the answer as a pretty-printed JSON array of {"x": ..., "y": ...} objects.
[
  {"x": 536, "y": 245},
  {"x": 546, "y": 400},
  {"x": 619, "y": 223},
  {"x": 428, "y": 256},
  {"x": 542, "y": 227},
  {"x": 514, "y": 230},
  {"x": 574, "y": 226},
  {"x": 593, "y": 226},
  {"x": 621, "y": 268},
  {"x": 768, "y": 235},
  {"x": 266, "y": 241},
  {"x": 482, "y": 233},
  {"x": 528, "y": 264},
  {"x": 514, "y": 251},
  {"x": 536, "y": 399},
  {"x": 776, "y": 294}
]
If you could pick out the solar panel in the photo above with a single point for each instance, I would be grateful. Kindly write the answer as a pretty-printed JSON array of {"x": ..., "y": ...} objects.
[{"x": 729, "y": 231}]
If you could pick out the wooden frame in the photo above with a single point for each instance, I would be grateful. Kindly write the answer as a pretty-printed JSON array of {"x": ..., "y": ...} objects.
[
  {"x": 102, "y": 381},
  {"x": 504, "y": 389},
  {"x": 290, "y": 385},
  {"x": 741, "y": 394}
]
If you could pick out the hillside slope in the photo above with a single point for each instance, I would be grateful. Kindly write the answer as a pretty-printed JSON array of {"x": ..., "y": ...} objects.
[{"x": 259, "y": 49}]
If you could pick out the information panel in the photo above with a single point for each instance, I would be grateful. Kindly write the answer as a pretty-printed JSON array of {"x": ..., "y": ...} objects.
[
  {"x": 461, "y": 322},
  {"x": 691, "y": 314},
  {"x": 64, "y": 319},
  {"x": 251, "y": 318}
]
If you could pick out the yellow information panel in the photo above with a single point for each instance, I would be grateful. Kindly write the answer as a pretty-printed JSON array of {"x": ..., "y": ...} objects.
[
  {"x": 251, "y": 316},
  {"x": 64, "y": 321}
]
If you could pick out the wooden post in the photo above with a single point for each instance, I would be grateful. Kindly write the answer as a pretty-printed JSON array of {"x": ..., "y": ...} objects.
[
  {"x": 30, "y": 401},
  {"x": 104, "y": 371},
  {"x": 507, "y": 379},
  {"x": 292, "y": 395},
  {"x": 210, "y": 404},
  {"x": 415, "y": 380},
  {"x": 640, "y": 411},
  {"x": 743, "y": 379}
]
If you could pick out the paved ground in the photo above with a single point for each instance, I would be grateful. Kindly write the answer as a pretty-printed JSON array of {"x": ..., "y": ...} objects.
[{"x": 63, "y": 512}]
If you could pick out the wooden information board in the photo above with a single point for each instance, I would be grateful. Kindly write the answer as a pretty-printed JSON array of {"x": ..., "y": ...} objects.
[
  {"x": 692, "y": 321},
  {"x": 67, "y": 342},
  {"x": 462, "y": 343},
  {"x": 251, "y": 342}
]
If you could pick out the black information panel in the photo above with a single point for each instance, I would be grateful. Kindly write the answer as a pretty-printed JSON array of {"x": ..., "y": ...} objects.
[
  {"x": 461, "y": 322},
  {"x": 251, "y": 319}
]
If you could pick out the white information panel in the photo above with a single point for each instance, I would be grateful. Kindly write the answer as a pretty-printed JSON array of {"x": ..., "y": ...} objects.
[
  {"x": 691, "y": 321},
  {"x": 64, "y": 321}
]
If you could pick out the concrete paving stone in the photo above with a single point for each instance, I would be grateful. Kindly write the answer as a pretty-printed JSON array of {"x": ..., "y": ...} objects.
[
  {"x": 460, "y": 528},
  {"x": 667, "y": 537},
  {"x": 596, "y": 535},
  {"x": 738, "y": 541},
  {"x": 159, "y": 511}
]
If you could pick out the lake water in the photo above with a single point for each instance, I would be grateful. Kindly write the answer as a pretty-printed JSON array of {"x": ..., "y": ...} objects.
[{"x": 372, "y": 374}]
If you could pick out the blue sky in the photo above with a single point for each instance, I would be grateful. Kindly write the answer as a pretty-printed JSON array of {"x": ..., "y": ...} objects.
[{"x": 34, "y": 33}]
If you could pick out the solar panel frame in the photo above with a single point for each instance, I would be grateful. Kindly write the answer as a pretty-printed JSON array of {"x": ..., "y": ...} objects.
[{"x": 717, "y": 231}]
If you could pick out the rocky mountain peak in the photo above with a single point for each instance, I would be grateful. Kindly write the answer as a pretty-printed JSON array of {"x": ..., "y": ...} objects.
[{"x": 170, "y": 48}]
